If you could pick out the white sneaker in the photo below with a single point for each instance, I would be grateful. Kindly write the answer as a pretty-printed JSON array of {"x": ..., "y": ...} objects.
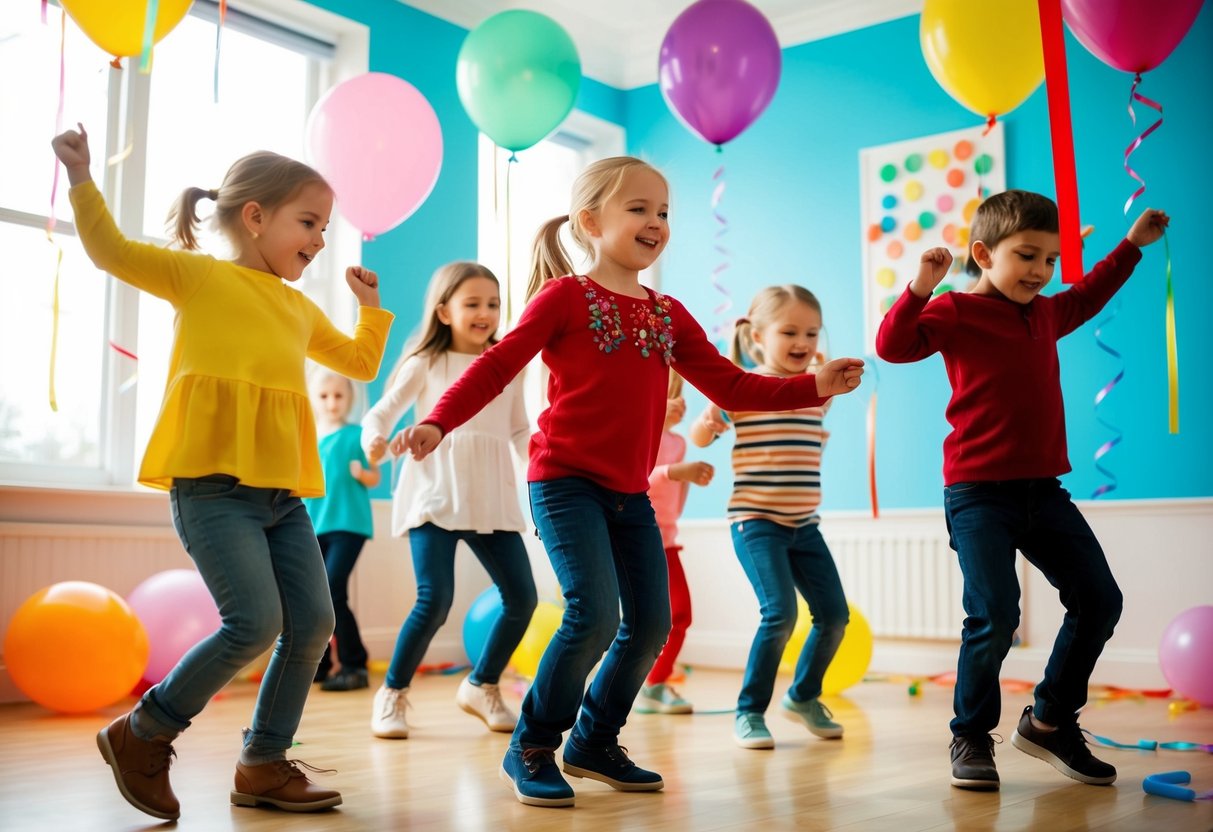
[
  {"x": 484, "y": 701},
  {"x": 387, "y": 716}
]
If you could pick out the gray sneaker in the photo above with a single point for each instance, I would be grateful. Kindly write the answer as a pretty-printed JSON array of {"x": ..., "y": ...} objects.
[{"x": 814, "y": 715}]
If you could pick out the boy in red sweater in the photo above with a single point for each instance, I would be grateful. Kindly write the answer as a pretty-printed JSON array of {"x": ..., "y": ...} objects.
[{"x": 1002, "y": 461}]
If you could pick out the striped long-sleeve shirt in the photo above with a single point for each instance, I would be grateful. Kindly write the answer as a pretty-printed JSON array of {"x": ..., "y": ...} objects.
[{"x": 777, "y": 466}]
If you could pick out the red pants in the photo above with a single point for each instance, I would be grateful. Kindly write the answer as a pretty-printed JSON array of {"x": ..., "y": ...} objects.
[{"x": 680, "y": 619}]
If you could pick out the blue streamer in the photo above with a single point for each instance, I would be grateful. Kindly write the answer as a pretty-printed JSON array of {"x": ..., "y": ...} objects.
[{"x": 1103, "y": 449}]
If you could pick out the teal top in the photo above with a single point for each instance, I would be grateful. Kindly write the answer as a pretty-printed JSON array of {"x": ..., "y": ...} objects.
[{"x": 346, "y": 505}]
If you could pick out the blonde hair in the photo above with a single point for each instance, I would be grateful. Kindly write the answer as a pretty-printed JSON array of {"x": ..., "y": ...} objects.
[
  {"x": 433, "y": 337},
  {"x": 319, "y": 374},
  {"x": 263, "y": 177},
  {"x": 765, "y": 306},
  {"x": 592, "y": 188},
  {"x": 675, "y": 388}
]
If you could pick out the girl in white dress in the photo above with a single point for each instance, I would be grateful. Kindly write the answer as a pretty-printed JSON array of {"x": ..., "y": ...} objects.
[{"x": 467, "y": 491}]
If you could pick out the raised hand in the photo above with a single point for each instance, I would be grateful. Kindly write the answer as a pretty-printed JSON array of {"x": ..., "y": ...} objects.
[
  {"x": 1148, "y": 227},
  {"x": 71, "y": 148},
  {"x": 839, "y": 376},
  {"x": 932, "y": 269},
  {"x": 364, "y": 283}
]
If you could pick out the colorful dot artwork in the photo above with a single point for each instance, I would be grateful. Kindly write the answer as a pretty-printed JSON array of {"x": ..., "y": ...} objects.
[{"x": 918, "y": 194}]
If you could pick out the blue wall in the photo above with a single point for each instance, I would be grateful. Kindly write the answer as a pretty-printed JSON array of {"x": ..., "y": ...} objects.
[{"x": 792, "y": 205}]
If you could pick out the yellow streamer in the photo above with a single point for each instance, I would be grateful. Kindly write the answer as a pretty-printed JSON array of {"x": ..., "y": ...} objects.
[{"x": 1172, "y": 351}]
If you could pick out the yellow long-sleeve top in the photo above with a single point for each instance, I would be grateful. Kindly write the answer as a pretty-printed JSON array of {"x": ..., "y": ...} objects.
[{"x": 236, "y": 400}]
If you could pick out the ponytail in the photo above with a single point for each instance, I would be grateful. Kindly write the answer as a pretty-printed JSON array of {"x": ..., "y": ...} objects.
[
  {"x": 549, "y": 259},
  {"x": 182, "y": 221},
  {"x": 741, "y": 348}
]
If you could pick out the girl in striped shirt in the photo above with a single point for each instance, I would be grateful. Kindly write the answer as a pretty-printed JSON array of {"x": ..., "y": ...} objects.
[{"x": 773, "y": 516}]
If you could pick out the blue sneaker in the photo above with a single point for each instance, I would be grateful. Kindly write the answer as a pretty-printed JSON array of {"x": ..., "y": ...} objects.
[
  {"x": 536, "y": 780},
  {"x": 750, "y": 730},
  {"x": 814, "y": 715},
  {"x": 610, "y": 765}
]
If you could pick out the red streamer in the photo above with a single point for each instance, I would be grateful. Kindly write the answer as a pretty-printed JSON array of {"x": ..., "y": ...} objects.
[{"x": 1052, "y": 36}]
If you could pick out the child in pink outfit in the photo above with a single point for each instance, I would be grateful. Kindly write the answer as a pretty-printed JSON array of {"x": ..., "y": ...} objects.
[{"x": 668, "y": 486}]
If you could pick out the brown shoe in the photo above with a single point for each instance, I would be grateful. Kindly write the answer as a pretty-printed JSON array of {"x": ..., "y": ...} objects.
[
  {"x": 280, "y": 783},
  {"x": 140, "y": 768}
]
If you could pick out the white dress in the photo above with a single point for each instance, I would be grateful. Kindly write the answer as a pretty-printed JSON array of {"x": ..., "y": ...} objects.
[{"x": 468, "y": 483}]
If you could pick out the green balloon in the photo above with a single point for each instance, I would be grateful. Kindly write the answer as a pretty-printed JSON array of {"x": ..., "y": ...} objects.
[{"x": 518, "y": 74}]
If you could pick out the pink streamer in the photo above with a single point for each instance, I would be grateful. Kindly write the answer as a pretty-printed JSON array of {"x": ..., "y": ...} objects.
[
  {"x": 1103, "y": 449},
  {"x": 1136, "y": 143}
]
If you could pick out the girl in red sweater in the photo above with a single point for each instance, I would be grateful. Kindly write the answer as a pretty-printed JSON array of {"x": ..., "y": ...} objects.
[{"x": 608, "y": 342}]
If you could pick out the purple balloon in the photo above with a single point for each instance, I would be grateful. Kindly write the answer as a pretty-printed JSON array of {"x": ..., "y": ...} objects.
[
  {"x": 1132, "y": 35},
  {"x": 719, "y": 67}
]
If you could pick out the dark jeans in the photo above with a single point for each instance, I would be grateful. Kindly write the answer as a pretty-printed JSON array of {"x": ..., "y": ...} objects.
[
  {"x": 780, "y": 560},
  {"x": 256, "y": 550},
  {"x": 341, "y": 550},
  {"x": 607, "y": 553},
  {"x": 503, "y": 556},
  {"x": 987, "y": 522}
]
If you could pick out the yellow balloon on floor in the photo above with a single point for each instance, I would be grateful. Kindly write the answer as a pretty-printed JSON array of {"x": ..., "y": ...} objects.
[
  {"x": 117, "y": 25},
  {"x": 544, "y": 624},
  {"x": 75, "y": 646},
  {"x": 988, "y": 56},
  {"x": 850, "y": 662}
]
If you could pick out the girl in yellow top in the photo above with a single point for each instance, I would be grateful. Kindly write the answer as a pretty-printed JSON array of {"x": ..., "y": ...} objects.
[{"x": 235, "y": 445}]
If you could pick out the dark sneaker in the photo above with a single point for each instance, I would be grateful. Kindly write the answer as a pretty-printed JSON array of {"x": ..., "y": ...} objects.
[
  {"x": 973, "y": 763},
  {"x": 610, "y": 765},
  {"x": 346, "y": 680},
  {"x": 283, "y": 784},
  {"x": 535, "y": 778},
  {"x": 1064, "y": 748},
  {"x": 140, "y": 768}
]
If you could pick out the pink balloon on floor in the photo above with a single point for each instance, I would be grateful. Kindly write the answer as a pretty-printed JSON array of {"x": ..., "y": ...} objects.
[
  {"x": 378, "y": 142},
  {"x": 1186, "y": 654},
  {"x": 177, "y": 611}
]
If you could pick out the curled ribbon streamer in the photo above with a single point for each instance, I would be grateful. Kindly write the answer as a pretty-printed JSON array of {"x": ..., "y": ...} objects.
[
  {"x": 1065, "y": 177},
  {"x": 1152, "y": 745},
  {"x": 1103, "y": 449},
  {"x": 1134, "y": 95},
  {"x": 149, "y": 36},
  {"x": 1172, "y": 352},
  {"x": 717, "y": 196},
  {"x": 218, "y": 39},
  {"x": 872, "y": 455},
  {"x": 509, "y": 281},
  {"x": 50, "y": 220}
]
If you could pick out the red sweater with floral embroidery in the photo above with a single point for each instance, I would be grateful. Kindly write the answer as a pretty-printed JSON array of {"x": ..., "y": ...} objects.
[{"x": 608, "y": 360}]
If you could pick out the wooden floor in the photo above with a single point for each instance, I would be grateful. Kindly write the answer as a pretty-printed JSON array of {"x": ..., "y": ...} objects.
[{"x": 889, "y": 773}]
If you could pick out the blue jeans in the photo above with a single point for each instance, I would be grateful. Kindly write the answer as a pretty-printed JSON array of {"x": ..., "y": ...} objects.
[
  {"x": 780, "y": 560},
  {"x": 607, "y": 553},
  {"x": 987, "y": 522},
  {"x": 341, "y": 550},
  {"x": 257, "y": 552},
  {"x": 504, "y": 557}
]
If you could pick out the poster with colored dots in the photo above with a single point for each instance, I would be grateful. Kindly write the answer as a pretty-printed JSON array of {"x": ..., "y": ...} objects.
[{"x": 918, "y": 194}]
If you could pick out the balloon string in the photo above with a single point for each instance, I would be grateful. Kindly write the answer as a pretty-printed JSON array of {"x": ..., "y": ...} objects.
[
  {"x": 149, "y": 36},
  {"x": 872, "y": 455},
  {"x": 1172, "y": 352},
  {"x": 50, "y": 220},
  {"x": 727, "y": 302},
  {"x": 218, "y": 39},
  {"x": 1103, "y": 449},
  {"x": 1134, "y": 95},
  {"x": 509, "y": 271},
  {"x": 990, "y": 122}
]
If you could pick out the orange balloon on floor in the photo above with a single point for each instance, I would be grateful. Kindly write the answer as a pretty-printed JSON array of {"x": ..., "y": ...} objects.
[{"x": 75, "y": 646}]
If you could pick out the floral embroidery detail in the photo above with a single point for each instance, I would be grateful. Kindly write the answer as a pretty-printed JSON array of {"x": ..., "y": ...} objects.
[{"x": 652, "y": 329}]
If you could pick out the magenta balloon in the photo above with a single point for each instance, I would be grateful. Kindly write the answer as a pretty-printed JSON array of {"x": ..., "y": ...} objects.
[
  {"x": 1185, "y": 654},
  {"x": 177, "y": 611},
  {"x": 1133, "y": 35},
  {"x": 719, "y": 67},
  {"x": 379, "y": 144}
]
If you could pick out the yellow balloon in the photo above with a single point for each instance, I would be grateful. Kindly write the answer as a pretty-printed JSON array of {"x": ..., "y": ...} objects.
[
  {"x": 850, "y": 662},
  {"x": 117, "y": 25},
  {"x": 987, "y": 55},
  {"x": 544, "y": 624}
]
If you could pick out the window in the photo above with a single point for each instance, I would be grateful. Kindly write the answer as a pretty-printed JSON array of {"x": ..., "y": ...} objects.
[
  {"x": 151, "y": 136},
  {"x": 516, "y": 198}
]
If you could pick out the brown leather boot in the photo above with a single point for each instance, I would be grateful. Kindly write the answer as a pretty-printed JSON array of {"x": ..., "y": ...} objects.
[
  {"x": 281, "y": 783},
  {"x": 140, "y": 768}
]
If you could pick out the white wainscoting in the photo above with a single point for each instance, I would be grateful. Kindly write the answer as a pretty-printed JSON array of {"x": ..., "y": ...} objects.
[{"x": 1159, "y": 550}]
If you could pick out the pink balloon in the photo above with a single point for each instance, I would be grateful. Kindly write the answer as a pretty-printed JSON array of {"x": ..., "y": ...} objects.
[
  {"x": 1186, "y": 654},
  {"x": 177, "y": 610},
  {"x": 1132, "y": 35},
  {"x": 378, "y": 142}
]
